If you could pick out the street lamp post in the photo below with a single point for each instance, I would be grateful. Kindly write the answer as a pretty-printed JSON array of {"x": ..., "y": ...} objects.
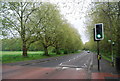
[{"x": 112, "y": 54}]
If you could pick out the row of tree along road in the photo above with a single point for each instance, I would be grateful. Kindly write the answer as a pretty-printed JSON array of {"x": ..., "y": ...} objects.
[
  {"x": 107, "y": 13},
  {"x": 38, "y": 25}
]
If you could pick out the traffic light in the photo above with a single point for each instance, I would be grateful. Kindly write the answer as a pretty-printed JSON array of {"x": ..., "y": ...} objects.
[{"x": 99, "y": 31}]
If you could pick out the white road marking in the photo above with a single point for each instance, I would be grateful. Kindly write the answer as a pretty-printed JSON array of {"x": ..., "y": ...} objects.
[
  {"x": 60, "y": 64},
  {"x": 78, "y": 69},
  {"x": 85, "y": 65},
  {"x": 64, "y": 67},
  {"x": 69, "y": 60}
]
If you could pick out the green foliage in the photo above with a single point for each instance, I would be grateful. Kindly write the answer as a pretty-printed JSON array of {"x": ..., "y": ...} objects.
[
  {"x": 13, "y": 44},
  {"x": 52, "y": 30},
  {"x": 108, "y": 14},
  {"x": 37, "y": 26}
]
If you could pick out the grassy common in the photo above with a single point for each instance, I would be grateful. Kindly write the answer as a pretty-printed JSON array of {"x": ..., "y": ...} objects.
[{"x": 15, "y": 56}]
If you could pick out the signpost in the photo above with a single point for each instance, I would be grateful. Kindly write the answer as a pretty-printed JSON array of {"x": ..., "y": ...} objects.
[{"x": 98, "y": 36}]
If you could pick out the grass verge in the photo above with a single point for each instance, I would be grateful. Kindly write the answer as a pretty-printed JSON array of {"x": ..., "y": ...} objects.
[
  {"x": 107, "y": 58},
  {"x": 16, "y": 56}
]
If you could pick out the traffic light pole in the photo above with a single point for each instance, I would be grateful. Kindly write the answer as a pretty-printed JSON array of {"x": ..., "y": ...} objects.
[
  {"x": 98, "y": 36},
  {"x": 98, "y": 56}
]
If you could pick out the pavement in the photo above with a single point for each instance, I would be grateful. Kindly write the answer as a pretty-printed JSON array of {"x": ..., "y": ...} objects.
[
  {"x": 107, "y": 71},
  {"x": 75, "y": 66},
  {"x": 105, "y": 66}
]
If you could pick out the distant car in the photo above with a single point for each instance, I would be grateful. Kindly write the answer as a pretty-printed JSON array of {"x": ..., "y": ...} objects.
[{"x": 88, "y": 51}]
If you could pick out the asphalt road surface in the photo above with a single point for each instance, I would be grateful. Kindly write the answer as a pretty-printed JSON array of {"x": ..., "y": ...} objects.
[
  {"x": 73, "y": 66},
  {"x": 69, "y": 66},
  {"x": 81, "y": 60}
]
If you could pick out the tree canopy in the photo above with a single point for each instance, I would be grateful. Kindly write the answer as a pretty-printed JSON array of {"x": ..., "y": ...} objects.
[
  {"x": 39, "y": 25},
  {"x": 109, "y": 14}
]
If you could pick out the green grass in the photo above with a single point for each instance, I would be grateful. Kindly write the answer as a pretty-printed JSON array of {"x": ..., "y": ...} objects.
[
  {"x": 106, "y": 58},
  {"x": 20, "y": 52},
  {"x": 15, "y": 56}
]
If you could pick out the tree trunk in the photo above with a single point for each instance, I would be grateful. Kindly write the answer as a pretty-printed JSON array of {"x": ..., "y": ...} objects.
[
  {"x": 24, "y": 49},
  {"x": 46, "y": 51},
  {"x": 66, "y": 51},
  {"x": 57, "y": 51}
]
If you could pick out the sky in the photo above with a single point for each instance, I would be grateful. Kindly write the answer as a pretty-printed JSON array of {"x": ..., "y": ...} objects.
[{"x": 75, "y": 11}]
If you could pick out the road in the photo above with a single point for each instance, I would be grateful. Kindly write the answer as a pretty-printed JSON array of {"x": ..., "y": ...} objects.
[
  {"x": 73, "y": 66},
  {"x": 81, "y": 60},
  {"x": 54, "y": 68}
]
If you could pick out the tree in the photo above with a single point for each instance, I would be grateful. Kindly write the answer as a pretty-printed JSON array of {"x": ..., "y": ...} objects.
[
  {"x": 47, "y": 21},
  {"x": 16, "y": 16},
  {"x": 108, "y": 14},
  {"x": 72, "y": 39},
  {"x": 42, "y": 23},
  {"x": 52, "y": 29}
]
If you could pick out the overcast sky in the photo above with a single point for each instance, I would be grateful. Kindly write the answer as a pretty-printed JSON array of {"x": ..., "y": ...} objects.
[{"x": 75, "y": 11}]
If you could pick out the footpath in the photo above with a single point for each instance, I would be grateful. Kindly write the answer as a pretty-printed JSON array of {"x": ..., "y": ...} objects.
[{"x": 107, "y": 71}]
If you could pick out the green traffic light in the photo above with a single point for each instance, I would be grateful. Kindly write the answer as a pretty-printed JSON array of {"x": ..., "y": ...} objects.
[{"x": 99, "y": 36}]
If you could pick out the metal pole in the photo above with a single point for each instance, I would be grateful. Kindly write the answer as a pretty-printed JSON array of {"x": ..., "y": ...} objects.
[
  {"x": 98, "y": 55},
  {"x": 112, "y": 56},
  {"x": 110, "y": 24}
]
